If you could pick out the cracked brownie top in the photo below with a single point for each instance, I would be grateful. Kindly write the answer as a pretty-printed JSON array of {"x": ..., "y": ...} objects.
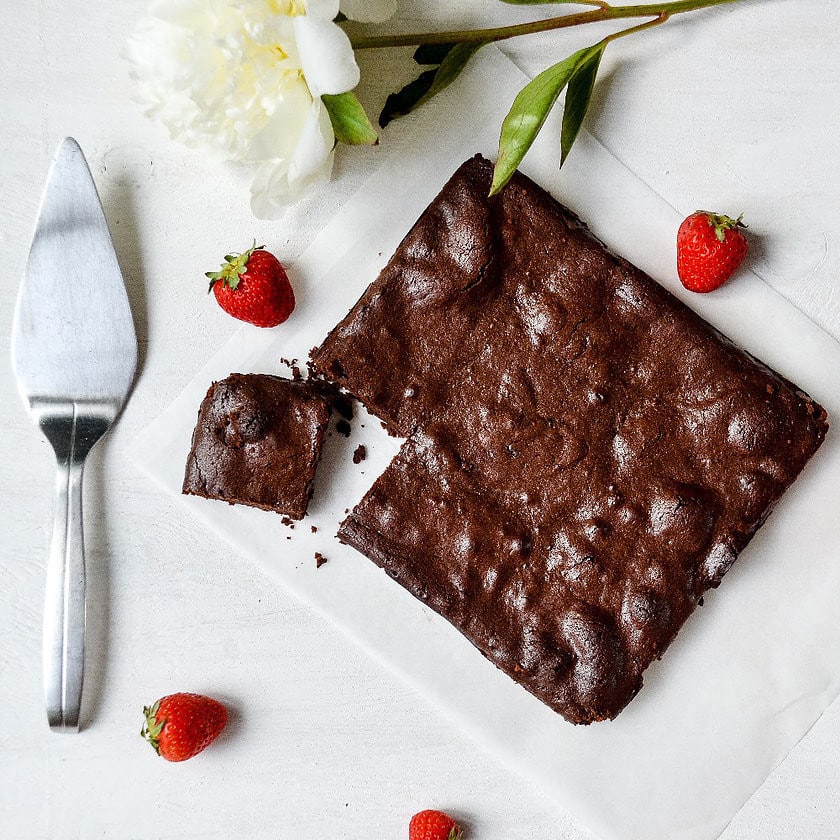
[{"x": 586, "y": 455}]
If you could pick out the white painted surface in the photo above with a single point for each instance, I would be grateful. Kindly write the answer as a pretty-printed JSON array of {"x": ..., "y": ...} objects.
[{"x": 736, "y": 108}]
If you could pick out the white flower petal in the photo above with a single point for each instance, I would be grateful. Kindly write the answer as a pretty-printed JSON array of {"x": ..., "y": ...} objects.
[
  {"x": 272, "y": 193},
  {"x": 269, "y": 180},
  {"x": 281, "y": 134},
  {"x": 314, "y": 146},
  {"x": 326, "y": 56},
  {"x": 369, "y": 11},
  {"x": 279, "y": 183},
  {"x": 324, "y": 9}
]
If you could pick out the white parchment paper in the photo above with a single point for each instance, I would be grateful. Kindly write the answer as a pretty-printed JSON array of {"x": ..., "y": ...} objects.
[{"x": 749, "y": 673}]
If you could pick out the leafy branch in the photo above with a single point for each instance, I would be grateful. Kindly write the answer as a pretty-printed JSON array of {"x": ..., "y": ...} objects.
[
  {"x": 603, "y": 12},
  {"x": 447, "y": 54}
]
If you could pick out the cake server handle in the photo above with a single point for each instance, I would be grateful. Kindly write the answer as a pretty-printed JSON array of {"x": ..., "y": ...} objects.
[{"x": 73, "y": 433}]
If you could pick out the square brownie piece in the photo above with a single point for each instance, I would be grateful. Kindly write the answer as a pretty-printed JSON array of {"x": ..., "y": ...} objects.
[
  {"x": 257, "y": 442},
  {"x": 586, "y": 455}
]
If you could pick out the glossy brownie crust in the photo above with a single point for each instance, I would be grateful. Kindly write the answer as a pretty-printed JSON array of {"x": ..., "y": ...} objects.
[
  {"x": 257, "y": 442},
  {"x": 586, "y": 456}
]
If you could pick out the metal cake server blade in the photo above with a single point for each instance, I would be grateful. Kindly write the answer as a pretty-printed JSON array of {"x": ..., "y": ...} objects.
[{"x": 74, "y": 353}]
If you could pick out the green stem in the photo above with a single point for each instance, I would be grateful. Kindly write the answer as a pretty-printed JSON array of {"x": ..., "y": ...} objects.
[
  {"x": 638, "y": 28},
  {"x": 500, "y": 33}
]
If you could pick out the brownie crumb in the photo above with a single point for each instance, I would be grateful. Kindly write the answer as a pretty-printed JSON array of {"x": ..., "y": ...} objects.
[
  {"x": 319, "y": 559},
  {"x": 314, "y": 529},
  {"x": 343, "y": 427},
  {"x": 293, "y": 365},
  {"x": 360, "y": 454},
  {"x": 344, "y": 406}
]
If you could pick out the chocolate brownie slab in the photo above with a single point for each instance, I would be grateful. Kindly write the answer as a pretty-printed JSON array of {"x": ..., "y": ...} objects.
[
  {"x": 586, "y": 456},
  {"x": 257, "y": 442}
]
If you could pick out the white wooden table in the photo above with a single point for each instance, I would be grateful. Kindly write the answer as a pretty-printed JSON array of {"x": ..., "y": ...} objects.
[{"x": 733, "y": 109}]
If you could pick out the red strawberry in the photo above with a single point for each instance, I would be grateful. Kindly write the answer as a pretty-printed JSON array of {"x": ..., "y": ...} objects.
[
  {"x": 710, "y": 247},
  {"x": 181, "y": 725},
  {"x": 253, "y": 287},
  {"x": 433, "y": 825}
]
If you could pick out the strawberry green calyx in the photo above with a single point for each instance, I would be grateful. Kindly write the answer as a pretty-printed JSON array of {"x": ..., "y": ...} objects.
[
  {"x": 455, "y": 834},
  {"x": 234, "y": 266},
  {"x": 722, "y": 223},
  {"x": 151, "y": 726}
]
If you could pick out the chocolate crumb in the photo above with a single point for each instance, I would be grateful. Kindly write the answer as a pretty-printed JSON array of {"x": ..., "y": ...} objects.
[
  {"x": 343, "y": 427},
  {"x": 344, "y": 406},
  {"x": 314, "y": 529},
  {"x": 319, "y": 559},
  {"x": 360, "y": 454},
  {"x": 293, "y": 365}
]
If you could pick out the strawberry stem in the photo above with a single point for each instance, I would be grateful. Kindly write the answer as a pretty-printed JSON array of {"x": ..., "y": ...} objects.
[
  {"x": 722, "y": 223},
  {"x": 232, "y": 268},
  {"x": 151, "y": 726}
]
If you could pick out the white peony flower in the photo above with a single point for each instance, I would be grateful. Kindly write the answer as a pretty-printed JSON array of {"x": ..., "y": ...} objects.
[{"x": 245, "y": 77}]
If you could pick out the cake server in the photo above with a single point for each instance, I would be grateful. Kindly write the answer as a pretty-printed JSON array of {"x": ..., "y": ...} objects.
[{"x": 74, "y": 353}]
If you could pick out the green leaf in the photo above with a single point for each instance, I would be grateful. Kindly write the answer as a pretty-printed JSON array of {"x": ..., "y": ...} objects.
[
  {"x": 429, "y": 82},
  {"x": 404, "y": 100},
  {"x": 432, "y": 53},
  {"x": 578, "y": 97},
  {"x": 349, "y": 120},
  {"x": 529, "y": 112},
  {"x": 450, "y": 68}
]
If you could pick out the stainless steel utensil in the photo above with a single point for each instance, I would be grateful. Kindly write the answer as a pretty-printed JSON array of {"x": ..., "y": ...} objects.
[{"x": 74, "y": 352}]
